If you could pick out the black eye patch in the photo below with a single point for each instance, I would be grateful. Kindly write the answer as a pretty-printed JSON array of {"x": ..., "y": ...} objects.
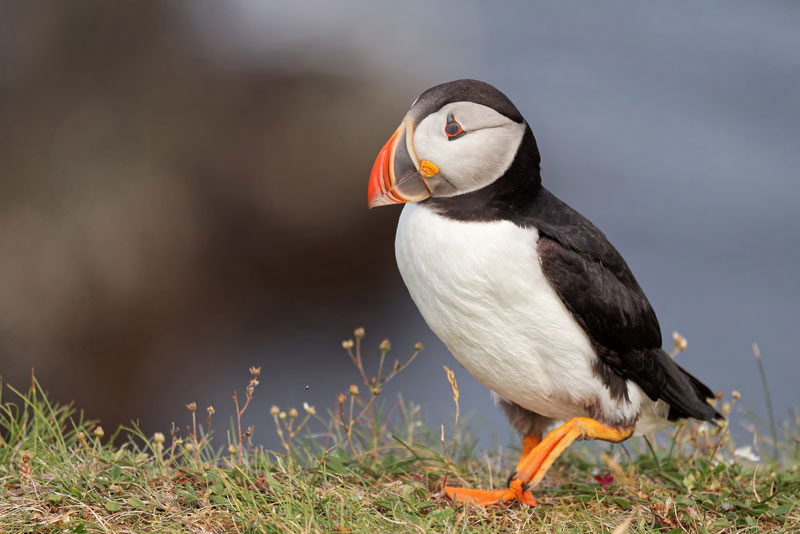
[{"x": 453, "y": 129}]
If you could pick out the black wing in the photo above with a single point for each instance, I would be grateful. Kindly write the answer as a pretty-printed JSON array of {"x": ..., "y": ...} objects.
[
  {"x": 592, "y": 279},
  {"x": 598, "y": 288}
]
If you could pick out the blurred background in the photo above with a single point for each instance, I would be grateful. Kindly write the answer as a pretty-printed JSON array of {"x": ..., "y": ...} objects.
[{"x": 183, "y": 187}]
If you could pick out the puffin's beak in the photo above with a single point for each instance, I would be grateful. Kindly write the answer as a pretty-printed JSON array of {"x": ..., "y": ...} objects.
[{"x": 397, "y": 175}]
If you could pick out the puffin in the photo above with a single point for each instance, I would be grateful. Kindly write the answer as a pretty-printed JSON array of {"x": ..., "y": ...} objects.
[{"x": 527, "y": 294}]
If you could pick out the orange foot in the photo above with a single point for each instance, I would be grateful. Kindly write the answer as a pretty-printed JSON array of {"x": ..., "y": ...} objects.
[
  {"x": 514, "y": 492},
  {"x": 537, "y": 459}
]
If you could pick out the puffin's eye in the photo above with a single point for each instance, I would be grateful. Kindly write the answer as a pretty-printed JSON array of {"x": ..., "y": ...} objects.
[{"x": 453, "y": 129}]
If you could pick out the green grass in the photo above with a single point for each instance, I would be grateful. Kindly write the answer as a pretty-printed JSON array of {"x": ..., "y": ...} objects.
[{"x": 354, "y": 471}]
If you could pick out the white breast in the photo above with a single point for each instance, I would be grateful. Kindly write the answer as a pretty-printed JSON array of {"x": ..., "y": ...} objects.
[{"x": 481, "y": 289}]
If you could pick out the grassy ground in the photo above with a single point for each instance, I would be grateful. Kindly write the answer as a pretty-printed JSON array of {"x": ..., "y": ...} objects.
[{"x": 352, "y": 471}]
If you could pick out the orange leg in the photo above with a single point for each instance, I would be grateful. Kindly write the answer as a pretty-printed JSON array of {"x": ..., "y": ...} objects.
[
  {"x": 528, "y": 443},
  {"x": 532, "y": 468}
]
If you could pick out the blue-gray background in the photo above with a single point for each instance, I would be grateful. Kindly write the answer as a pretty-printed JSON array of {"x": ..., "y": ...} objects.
[{"x": 182, "y": 186}]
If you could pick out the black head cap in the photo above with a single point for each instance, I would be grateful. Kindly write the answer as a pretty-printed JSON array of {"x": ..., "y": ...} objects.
[{"x": 464, "y": 91}]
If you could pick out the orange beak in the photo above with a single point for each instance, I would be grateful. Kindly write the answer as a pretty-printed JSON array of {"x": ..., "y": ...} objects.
[{"x": 395, "y": 176}]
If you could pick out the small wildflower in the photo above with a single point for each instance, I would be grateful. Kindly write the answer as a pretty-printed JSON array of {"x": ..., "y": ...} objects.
[
  {"x": 417, "y": 346},
  {"x": 347, "y": 344},
  {"x": 274, "y": 410},
  {"x": 250, "y": 389},
  {"x": 385, "y": 345},
  {"x": 81, "y": 437},
  {"x": 606, "y": 480},
  {"x": 99, "y": 432},
  {"x": 747, "y": 453},
  {"x": 293, "y": 413},
  {"x": 232, "y": 449},
  {"x": 680, "y": 341},
  {"x": 726, "y": 408},
  {"x": 25, "y": 464},
  {"x": 736, "y": 395},
  {"x": 341, "y": 398},
  {"x": 720, "y": 394},
  {"x": 189, "y": 447},
  {"x": 309, "y": 409},
  {"x": 158, "y": 437},
  {"x": 359, "y": 332},
  {"x": 211, "y": 410},
  {"x": 353, "y": 390},
  {"x": 282, "y": 415},
  {"x": 254, "y": 382},
  {"x": 192, "y": 406},
  {"x": 376, "y": 391},
  {"x": 255, "y": 371}
]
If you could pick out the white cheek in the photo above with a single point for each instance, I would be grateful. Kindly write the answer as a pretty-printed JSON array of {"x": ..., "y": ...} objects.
[{"x": 472, "y": 161}]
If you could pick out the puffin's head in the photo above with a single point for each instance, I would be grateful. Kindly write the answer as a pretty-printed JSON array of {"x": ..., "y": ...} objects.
[{"x": 457, "y": 137}]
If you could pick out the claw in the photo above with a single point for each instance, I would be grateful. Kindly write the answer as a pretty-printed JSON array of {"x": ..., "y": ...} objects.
[{"x": 511, "y": 477}]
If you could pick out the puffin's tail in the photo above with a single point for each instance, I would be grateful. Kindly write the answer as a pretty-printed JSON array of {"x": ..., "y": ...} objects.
[{"x": 685, "y": 394}]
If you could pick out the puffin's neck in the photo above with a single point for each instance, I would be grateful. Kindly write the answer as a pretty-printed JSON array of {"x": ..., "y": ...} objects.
[{"x": 511, "y": 194}]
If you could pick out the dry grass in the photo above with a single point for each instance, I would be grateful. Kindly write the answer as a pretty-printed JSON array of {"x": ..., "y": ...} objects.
[{"x": 364, "y": 473}]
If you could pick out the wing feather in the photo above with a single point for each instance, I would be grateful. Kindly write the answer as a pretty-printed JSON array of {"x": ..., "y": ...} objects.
[{"x": 597, "y": 287}]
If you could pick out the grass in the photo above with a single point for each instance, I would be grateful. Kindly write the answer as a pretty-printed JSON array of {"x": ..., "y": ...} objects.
[{"x": 359, "y": 469}]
